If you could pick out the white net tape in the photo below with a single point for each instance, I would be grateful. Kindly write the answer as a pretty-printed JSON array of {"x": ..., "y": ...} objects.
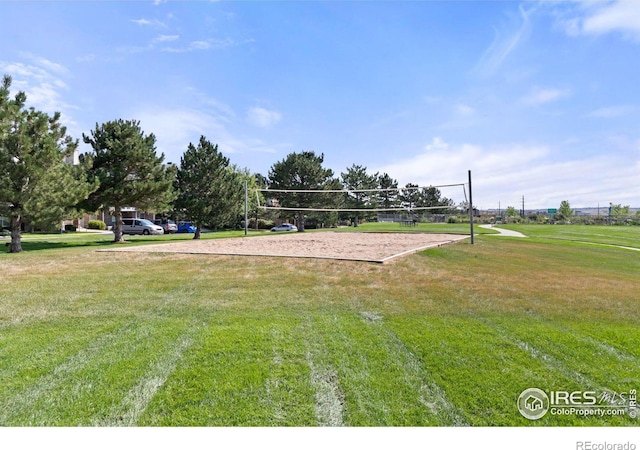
[{"x": 397, "y": 208}]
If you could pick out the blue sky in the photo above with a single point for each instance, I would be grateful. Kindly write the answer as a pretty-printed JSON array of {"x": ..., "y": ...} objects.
[{"x": 538, "y": 99}]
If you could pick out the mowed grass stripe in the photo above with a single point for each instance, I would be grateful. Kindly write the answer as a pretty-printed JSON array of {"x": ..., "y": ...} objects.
[
  {"x": 139, "y": 397},
  {"x": 481, "y": 371},
  {"x": 417, "y": 375},
  {"x": 329, "y": 398},
  {"x": 381, "y": 382},
  {"x": 628, "y": 236},
  {"x": 571, "y": 351},
  {"x": 243, "y": 369},
  {"x": 485, "y": 363},
  {"x": 80, "y": 390},
  {"x": 313, "y": 368},
  {"x": 29, "y": 351},
  {"x": 578, "y": 361},
  {"x": 30, "y": 401}
]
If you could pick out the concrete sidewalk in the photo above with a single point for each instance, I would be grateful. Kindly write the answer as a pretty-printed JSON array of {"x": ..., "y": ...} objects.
[{"x": 503, "y": 232}]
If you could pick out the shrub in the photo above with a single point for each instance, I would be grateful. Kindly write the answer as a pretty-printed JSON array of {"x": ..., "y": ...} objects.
[
  {"x": 97, "y": 225},
  {"x": 263, "y": 224}
]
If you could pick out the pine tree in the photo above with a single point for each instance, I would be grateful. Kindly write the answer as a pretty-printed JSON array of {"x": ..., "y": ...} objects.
[
  {"x": 210, "y": 191},
  {"x": 357, "y": 178},
  {"x": 388, "y": 197},
  {"x": 431, "y": 197},
  {"x": 131, "y": 174},
  {"x": 409, "y": 196},
  {"x": 36, "y": 185},
  {"x": 303, "y": 171}
]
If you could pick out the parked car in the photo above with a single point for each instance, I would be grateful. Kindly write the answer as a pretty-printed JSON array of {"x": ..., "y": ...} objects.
[
  {"x": 168, "y": 225},
  {"x": 285, "y": 227},
  {"x": 140, "y": 226},
  {"x": 186, "y": 227}
]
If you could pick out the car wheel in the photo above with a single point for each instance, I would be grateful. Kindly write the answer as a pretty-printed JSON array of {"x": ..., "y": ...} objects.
[{"x": 145, "y": 232}]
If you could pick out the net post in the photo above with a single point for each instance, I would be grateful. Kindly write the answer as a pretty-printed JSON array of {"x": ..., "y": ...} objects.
[
  {"x": 470, "y": 209},
  {"x": 246, "y": 207}
]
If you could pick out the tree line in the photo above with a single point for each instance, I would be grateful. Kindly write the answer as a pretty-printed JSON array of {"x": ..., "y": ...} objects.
[
  {"x": 40, "y": 185},
  {"x": 362, "y": 191},
  {"x": 614, "y": 214}
]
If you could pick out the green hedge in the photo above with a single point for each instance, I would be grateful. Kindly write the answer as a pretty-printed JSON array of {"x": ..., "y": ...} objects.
[{"x": 97, "y": 225}]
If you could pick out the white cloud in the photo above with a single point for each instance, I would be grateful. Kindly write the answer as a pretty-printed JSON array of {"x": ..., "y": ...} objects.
[
  {"x": 141, "y": 22},
  {"x": 464, "y": 110},
  {"x": 503, "y": 45},
  {"x": 539, "y": 96},
  {"x": 41, "y": 81},
  {"x": 176, "y": 128},
  {"x": 209, "y": 44},
  {"x": 200, "y": 45},
  {"x": 503, "y": 174},
  {"x": 222, "y": 111},
  {"x": 622, "y": 15},
  {"x": 262, "y": 117},
  {"x": 155, "y": 23},
  {"x": 598, "y": 18},
  {"x": 443, "y": 163},
  {"x": 86, "y": 58},
  {"x": 166, "y": 38},
  {"x": 612, "y": 112},
  {"x": 45, "y": 64}
]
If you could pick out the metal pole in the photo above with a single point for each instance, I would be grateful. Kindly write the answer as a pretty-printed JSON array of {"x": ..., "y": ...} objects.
[
  {"x": 246, "y": 208},
  {"x": 471, "y": 208}
]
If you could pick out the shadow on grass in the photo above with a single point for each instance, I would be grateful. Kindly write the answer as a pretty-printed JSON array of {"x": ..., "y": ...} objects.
[
  {"x": 33, "y": 242},
  {"x": 34, "y": 245}
]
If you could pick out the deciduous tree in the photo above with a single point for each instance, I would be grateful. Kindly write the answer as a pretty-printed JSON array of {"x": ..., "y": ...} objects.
[
  {"x": 618, "y": 210},
  {"x": 512, "y": 212},
  {"x": 564, "y": 211}
]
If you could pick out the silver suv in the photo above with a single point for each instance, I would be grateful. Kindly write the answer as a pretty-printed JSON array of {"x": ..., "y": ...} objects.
[
  {"x": 168, "y": 225},
  {"x": 140, "y": 226}
]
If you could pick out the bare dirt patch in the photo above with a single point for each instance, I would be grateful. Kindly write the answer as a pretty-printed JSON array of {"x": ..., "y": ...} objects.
[{"x": 370, "y": 247}]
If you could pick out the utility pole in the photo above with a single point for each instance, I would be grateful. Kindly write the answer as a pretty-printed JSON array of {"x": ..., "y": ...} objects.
[
  {"x": 470, "y": 208},
  {"x": 246, "y": 207}
]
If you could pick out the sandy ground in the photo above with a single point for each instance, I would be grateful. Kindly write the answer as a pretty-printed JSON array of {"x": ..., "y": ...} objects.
[{"x": 372, "y": 247}]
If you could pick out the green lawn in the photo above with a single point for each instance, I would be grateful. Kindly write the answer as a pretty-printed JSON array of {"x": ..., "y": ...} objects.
[
  {"x": 448, "y": 336},
  {"x": 598, "y": 234}
]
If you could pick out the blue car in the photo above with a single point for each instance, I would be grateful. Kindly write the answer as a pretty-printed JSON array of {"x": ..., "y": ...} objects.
[{"x": 186, "y": 227}]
